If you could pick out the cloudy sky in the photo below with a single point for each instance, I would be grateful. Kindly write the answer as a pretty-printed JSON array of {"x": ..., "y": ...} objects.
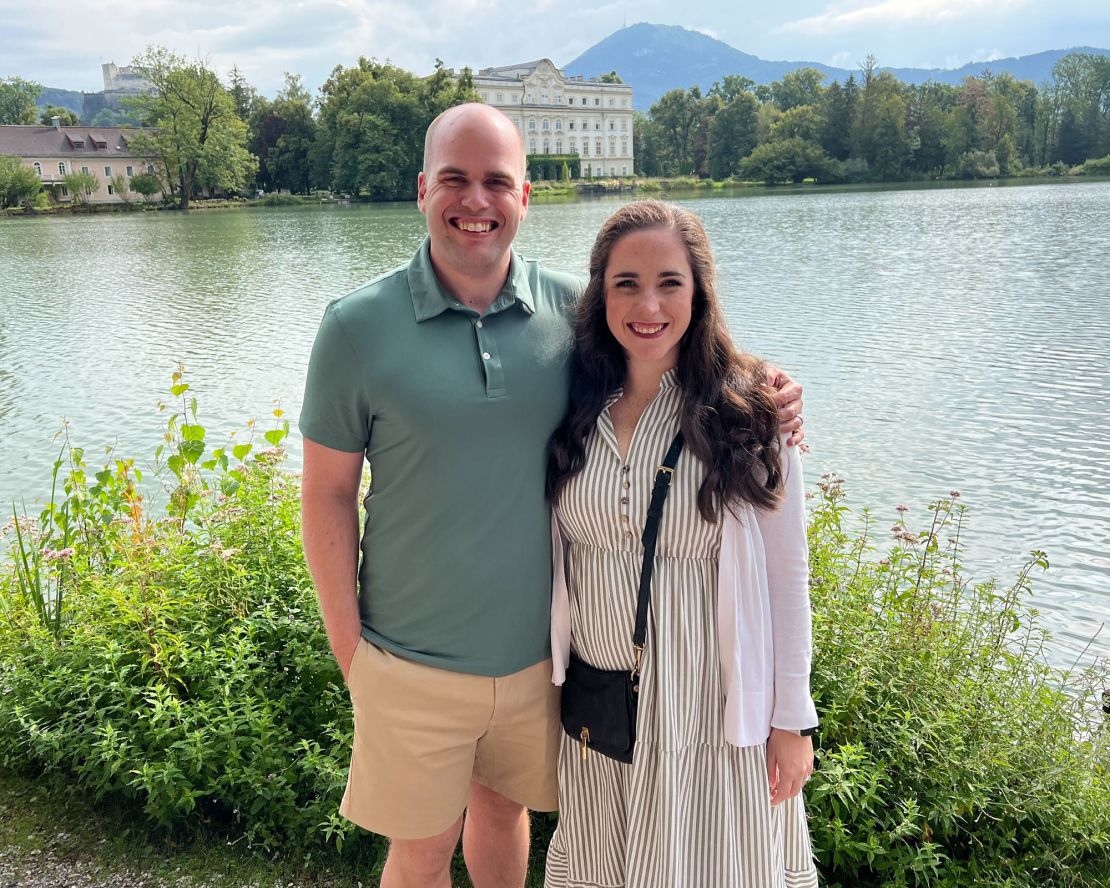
[{"x": 62, "y": 44}]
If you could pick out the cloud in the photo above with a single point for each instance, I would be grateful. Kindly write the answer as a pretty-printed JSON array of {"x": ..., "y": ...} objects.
[{"x": 846, "y": 16}]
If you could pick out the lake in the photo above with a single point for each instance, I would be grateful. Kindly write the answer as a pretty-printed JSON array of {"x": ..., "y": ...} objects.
[{"x": 954, "y": 338}]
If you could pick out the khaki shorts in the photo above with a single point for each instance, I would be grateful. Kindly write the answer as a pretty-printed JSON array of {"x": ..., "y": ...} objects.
[{"x": 422, "y": 734}]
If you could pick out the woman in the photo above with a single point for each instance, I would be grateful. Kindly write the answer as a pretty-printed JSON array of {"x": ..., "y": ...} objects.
[{"x": 711, "y": 799}]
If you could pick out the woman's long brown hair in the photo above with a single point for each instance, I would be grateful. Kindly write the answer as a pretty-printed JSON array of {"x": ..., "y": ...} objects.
[{"x": 728, "y": 414}]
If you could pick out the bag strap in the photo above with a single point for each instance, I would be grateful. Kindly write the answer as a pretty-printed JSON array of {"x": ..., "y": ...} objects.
[{"x": 659, "y": 492}]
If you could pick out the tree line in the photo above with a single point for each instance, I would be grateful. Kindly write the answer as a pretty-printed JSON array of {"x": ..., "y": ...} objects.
[
  {"x": 876, "y": 128},
  {"x": 363, "y": 133}
]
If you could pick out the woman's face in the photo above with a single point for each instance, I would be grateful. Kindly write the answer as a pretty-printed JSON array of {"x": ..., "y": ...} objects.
[{"x": 649, "y": 295}]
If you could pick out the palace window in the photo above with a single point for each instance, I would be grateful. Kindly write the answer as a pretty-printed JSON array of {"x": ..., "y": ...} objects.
[
  {"x": 624, "y": 171},
  {"x": 558, "y": 126},
  {"x": 546, "y": 146},
  {"x": 597, "y": 101},
  {"x": 531, "y": 97},
  {"x": 558, "y": 98},
  {"x": 610, "y": 103},
  {"x": 111, "y": 190},
  {"x": 599, "y": 152},
  {"x": 532, "y": 146},
  {"x": 84, "y": 169},
  {"x": 531, "y": 123},
  {"x": 108, "y": 172},
  {"x": 558, "y": 146},
  {"x": 624, "y": 146},
  {"x": 131, "y": 171},
  {"x": 546, "y": 124},
  {"x": 570, "y": 125},
  {"x": 612, "y": 126},
  {"x": 500, "y": 98},
  {"x": 38, "y": 168},
  {"x": 624, "y": 126},
  {"x": 585, "y": 148}
]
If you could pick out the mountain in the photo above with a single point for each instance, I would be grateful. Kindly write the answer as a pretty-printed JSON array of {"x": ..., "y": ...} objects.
[
  {"x": 63, "y": 98},
  {"x": 656, "y": 58}
]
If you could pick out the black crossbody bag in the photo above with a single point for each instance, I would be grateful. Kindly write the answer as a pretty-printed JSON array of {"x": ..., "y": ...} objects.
[{"x": 599, "y": 705}]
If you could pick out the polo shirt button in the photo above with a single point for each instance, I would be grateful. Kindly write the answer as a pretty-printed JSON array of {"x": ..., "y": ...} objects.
[
  {"x": 628, "y": 533},
  {"x": 625, "y": 469},
  {"x": 624, "y": 501},
  {"x": 478, "y": 324},
  {"x": 485, "y": 356}
]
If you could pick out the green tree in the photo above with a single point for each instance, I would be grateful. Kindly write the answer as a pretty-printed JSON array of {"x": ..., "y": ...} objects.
[
  {"x": 789, "y": 160},
  {"x": 197, "y": 134},
  {"x": 799, "y": 87},
  {"x": 122, "y": 187},
  {"x": 839, "y": 111},
  {"x": 1083, "y": 80},
  {"x": 732, "y": 135},
  {"x": 676, "y": 116},
  {"x": 18, "y": 183},
  {"x": 82, "y": 185},
  {"x": 67, "y": 117},
  {"x": 611, "y": 77},
  {"x": 17, "y": 101},
  {"x": 243, "y": 95},
  {"x": 731, "y": 86},
  {"x": 283, "y": 133},
  {"x": 801, "y": 121},
  {"x": 645, "y": 145},
  {"x": 371, "y": 125},
  {"x": 146, "y": 184}
]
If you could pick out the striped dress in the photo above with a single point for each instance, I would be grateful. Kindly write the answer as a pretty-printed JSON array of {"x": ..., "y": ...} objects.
[{"x": 691, "y": 811}]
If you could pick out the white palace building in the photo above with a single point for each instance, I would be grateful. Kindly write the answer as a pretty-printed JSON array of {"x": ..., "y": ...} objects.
[{"x": 562, "y": 115}]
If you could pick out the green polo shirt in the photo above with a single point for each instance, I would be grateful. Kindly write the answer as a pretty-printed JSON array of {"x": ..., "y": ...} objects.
[{"x": 454, "y": 411}]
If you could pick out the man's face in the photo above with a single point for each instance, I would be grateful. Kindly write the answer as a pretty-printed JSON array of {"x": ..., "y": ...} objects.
[{"x": 473, "y": 193}]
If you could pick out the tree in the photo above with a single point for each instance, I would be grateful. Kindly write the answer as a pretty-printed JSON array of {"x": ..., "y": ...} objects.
[
  {"x": 67, "y": 117},
  {"x": 801, "y": 121},
  {"x": 798, "y": 87},
  {"x": 17, "y": 101},
  {"x": 732, "y": 135},
  {"x": 146, "y": 184},
  {"x": 372, "y": 120},
  {"x": 282, "y": 136},
  {"x": 839, "y": 111},
  {"x": 244, "y": 96},
  {"x": 82, "y": 185},
  {"x": 611, "y": 77},
  {"x": 18, "y": 183},
  {"x": 676, "y": 116},
  {"x": 730, "y": 87},
  {"x": 121, "y": 187},
  {"x": 789, "y": 160},
  {"x": 198, "y": 136}
]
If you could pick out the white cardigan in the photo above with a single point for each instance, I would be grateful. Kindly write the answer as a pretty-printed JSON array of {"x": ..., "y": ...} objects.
[{"x": 763, "y": 617}]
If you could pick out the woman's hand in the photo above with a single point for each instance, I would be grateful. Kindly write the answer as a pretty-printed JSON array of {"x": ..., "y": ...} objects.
[
  {"x": 788, "y": 399},
  {"x": 789, "y": 763}
]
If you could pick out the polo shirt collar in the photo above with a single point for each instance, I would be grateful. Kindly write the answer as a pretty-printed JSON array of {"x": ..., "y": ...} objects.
[{"x": 430, "y": 299}]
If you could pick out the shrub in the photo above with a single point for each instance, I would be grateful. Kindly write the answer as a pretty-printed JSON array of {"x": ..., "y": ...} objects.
[
  {"x": 950, "y": 753},
  {"x": 1096, "y": 167},
  {"x": 977, "y": 165},
  {"x": 18, "y": 183},
  {"x": 190, "y": 673}
]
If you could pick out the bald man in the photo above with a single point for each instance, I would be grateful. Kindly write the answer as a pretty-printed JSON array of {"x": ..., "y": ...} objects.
[{"x": 448, "y": 376}]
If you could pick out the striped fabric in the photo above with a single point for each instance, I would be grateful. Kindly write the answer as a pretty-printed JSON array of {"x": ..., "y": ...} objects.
[{"x": 691, "y": 811}]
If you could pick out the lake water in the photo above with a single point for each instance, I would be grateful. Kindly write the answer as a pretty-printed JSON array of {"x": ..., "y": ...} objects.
[{"x": 947, "y": 339}]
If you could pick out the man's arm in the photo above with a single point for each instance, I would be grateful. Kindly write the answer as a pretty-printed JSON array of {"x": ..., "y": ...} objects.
[
  {"x": 788, "y": 398},
  {"x": 329, "y": 522}
]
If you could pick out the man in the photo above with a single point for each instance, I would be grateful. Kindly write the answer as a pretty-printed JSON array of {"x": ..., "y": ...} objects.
[{"x": 448, "y": 376}]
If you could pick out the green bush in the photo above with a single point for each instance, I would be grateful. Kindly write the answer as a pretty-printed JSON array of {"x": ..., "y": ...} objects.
[
  {"x": 1096, "y": 167},
  {"x": 950, "y": 753},
  {"x": 178, "y": 659},
  {"x": 174, "y": 659}
]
